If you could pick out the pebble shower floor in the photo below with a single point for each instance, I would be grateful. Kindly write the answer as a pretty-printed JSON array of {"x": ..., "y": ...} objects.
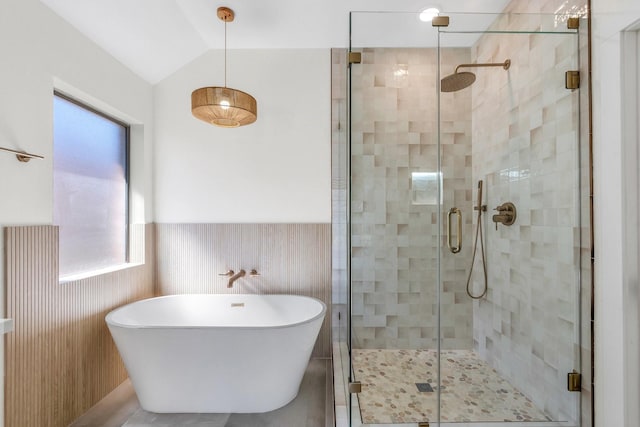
[{"x": 471, "y": 389}]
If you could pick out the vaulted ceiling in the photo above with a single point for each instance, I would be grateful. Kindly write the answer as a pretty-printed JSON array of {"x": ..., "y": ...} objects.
[{"x": 155, "y": 38}]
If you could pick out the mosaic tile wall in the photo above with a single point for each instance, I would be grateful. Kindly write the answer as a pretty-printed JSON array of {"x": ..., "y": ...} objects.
[
  {"x": 526, "y": 148},
  {"x": 394, "y": 204}
]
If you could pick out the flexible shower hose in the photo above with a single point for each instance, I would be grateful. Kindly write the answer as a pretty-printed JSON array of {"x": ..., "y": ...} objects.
[{"x": 475, "y": 247}]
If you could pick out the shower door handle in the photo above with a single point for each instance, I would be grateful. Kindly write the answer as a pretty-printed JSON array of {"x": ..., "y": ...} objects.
[{"x": 454, "y": 249}]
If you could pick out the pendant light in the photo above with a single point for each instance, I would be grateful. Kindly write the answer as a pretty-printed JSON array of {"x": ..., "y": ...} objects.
[{"x": 224, "y": 106}]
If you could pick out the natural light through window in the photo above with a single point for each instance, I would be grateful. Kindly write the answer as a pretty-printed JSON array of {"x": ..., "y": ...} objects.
[{"x": 90, "y": 188}]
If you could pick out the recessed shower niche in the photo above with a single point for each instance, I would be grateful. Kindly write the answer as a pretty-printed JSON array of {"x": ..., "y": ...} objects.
[{"x": 407, "y": 152}]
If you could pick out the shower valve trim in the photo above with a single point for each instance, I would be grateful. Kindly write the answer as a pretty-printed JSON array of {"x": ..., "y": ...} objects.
[{"x": 506, "y": 214}]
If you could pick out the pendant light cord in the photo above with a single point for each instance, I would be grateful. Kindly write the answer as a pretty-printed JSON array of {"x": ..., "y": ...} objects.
[{"x": 225, "y": 53}]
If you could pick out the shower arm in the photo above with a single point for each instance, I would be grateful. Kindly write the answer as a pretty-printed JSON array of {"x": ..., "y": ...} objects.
[{"x": 506, "y": 64}]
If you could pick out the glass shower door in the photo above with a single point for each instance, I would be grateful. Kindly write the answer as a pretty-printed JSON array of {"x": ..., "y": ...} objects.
[
  {"x": 505, "y": 104},
  {"x": 433, "y": 339}
]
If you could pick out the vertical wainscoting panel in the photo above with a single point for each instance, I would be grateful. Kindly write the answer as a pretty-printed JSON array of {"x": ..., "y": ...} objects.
[
  {"x": 61, "y": 359},
  {"x": 290, "y": 258}
]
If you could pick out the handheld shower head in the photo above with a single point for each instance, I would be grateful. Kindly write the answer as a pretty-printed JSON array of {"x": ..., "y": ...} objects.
[{"x": 479, "y": 206}]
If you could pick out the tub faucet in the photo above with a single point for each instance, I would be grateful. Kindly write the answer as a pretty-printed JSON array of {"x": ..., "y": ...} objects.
[{"x": 235, "y": 277}]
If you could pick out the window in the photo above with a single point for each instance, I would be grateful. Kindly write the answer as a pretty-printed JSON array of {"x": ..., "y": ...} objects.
[{"x": 90, "y": 187}]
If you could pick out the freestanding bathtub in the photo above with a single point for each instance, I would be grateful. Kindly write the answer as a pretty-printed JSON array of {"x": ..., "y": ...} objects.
[{"x": 216, "y": 353}]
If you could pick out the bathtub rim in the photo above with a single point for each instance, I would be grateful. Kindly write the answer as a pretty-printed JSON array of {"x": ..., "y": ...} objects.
[{"x": 110, "y": 322}]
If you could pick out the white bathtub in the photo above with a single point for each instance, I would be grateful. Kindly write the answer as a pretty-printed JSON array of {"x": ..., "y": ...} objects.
[{"x": 216, "y": 353}]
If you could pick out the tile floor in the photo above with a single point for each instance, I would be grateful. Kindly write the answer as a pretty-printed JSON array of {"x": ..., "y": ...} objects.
[
  {"x": 472, "y": 390},
  {"x": 313, "y": 407}
]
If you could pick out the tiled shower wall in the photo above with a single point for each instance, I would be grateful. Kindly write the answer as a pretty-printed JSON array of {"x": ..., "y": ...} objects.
[
  {"x": 290, "y": 259},
  {"x": 394, "y": 212},
  {"x": 526, "y": 148}
]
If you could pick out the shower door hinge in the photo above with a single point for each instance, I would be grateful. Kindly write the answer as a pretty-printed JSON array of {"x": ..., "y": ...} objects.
[
  {"x": 572, "y": 79},
  {"x": 355, "y": 387},
  {"x": 573, "y": 23},
  {"x": 355, "y": 57},
  {"x": 574, "y": 381},
  {"x": 440, "y": 21}
]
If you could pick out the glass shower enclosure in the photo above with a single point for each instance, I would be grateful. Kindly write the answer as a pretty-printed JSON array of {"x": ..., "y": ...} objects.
[{"x": 463, "y": 219}]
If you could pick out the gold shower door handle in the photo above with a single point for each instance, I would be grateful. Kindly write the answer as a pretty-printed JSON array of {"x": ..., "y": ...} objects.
[{"x": 454, "y": 249}]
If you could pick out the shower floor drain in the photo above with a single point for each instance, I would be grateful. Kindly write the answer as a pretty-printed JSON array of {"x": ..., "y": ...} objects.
[{"x": 424, "y": 387}]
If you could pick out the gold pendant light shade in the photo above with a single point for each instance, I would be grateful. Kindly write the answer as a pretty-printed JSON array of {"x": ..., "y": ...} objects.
[{"x": 223, "y": 106}]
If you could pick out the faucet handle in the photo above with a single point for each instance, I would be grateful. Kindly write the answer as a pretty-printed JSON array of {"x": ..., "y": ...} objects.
[
  {"x": 506, "y": 207},
  {"x": 254, "y": 272},
  {"x": 228, "y": 273}
]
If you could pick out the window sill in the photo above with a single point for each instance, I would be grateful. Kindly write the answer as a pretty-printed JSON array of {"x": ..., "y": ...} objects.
[{"x": 93, "y": 273}]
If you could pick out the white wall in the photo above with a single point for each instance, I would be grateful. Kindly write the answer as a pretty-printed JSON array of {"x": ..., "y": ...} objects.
[
  {"x": 610, "y": 17},
  {"x": 275, "y": 170},
  {"x": 37, "y": 49}
]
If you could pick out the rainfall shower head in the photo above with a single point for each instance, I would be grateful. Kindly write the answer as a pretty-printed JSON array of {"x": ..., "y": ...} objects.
[{"x": 458, "y": 81}]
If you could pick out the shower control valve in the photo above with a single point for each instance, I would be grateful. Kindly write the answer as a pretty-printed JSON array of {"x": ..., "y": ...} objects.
[{"x": 506, "y": 214}]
